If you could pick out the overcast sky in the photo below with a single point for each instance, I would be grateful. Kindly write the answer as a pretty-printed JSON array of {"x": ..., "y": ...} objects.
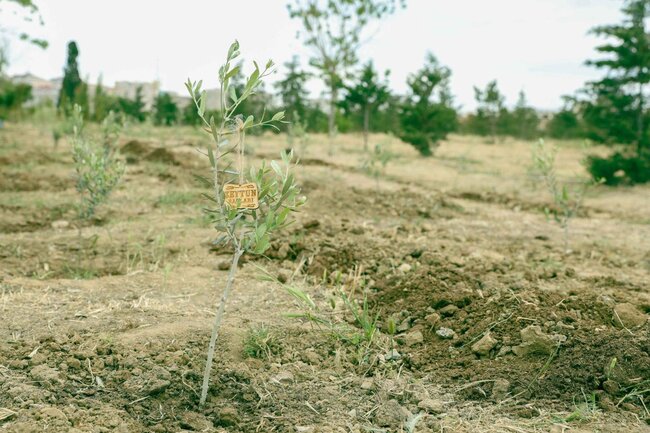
[{"x": 535, "y": 45}]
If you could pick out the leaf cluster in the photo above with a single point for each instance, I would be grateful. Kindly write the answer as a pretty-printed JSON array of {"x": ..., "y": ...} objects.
[{"x": 247, "y": 230}]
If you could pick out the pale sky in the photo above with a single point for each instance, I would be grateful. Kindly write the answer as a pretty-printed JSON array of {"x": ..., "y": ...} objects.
[{"x": 535, "y": 45}]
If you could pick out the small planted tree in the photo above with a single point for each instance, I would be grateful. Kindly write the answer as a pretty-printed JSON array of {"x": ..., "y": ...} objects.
[
  {"x": 297, "y": 134},
  {"x": 375, "y": 162},
  {"x": 366, "y": 95},
  {"x": 490, "y": 107},
  {"x": 428, "y": 114},
  {"x": 98, "y": 169},
  {"x": 567, "y": 197},
  {"x": 246, "y": 206}
]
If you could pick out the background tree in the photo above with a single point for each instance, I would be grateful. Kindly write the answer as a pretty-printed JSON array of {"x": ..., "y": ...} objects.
[
  {"x": 616, "y": 110},
  {"x": 134, "y": 108},
  {"x": 29, "y": 11},
  {"x": 428, "y": 115},
  {"x": 366, "y": 95},
  {"x": 12, "y": 98},
  {"x": 291, "y": 90},
  {"x": 333, "y": 29},
  {"x": 71, "y": 81},
  {"x": 566, "y": 123},
  {"x": 103, "y": 103},
  {"x": 165, "y": 110},
  {"x": 490, "y": 106},
  {"x": 523, "y": 121}
]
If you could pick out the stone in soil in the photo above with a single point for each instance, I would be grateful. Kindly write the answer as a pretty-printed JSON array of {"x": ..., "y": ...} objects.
[
  {"x": 446, "y": 333},
  {"x": 534, "y": 342},
  {"x": 483, "y": 346},
  {"x": 413, "y": 338}
]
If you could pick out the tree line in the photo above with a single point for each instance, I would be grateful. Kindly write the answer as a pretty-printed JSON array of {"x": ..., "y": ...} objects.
[{"x": 612, "y": 110}]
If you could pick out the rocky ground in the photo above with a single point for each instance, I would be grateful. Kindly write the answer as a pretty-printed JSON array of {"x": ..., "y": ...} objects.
[{"x": 484, "y": 323}]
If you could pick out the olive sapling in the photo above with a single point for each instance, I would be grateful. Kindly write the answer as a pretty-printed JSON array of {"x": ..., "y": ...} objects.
[
  {"x": 566, "y": 197},
  {"x": 246, "y": 206},
  {"x": 98, "y": 168}
]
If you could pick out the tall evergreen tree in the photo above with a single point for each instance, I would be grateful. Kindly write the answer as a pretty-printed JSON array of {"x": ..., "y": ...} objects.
[
  {"x": 428, "y": 115},
  {"x": 366, "y": 95},
  {"x": 617, "y": 108},
  {"x": 71, "y": 81}
]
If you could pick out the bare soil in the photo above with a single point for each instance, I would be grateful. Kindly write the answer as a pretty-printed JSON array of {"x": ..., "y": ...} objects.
[{"x": 104, "y": 324}]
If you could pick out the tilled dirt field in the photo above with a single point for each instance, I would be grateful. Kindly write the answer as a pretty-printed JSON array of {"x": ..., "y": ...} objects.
[{"x": 485, "y": 324}]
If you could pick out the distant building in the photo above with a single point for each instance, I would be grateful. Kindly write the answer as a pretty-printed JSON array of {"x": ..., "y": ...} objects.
[
  {"x": 128, "y": 89},
  {"x": 42, "y": 90}
]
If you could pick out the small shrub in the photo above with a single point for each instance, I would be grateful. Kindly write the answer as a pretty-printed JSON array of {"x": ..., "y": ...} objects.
[
  {"x": 567, "y": 197},
  {"x": 375, "y": 162},
  {"x": 297, "y": 132},
  {"x": 98, "y": 169},
  {"x": 619, "y": 169}
]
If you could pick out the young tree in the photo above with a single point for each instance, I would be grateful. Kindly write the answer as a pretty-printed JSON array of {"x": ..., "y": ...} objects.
[
  {"x": 102, "y": 102},
  {"x": 12, "y": 98},
  {"x": 616, "y": 111},
  {"x": 247, "y": 205},
  {"x": 334, "y": 30},
  {"x": 165, "y": 110},
  {"x": 524, "y": 121},
  {"x": 428, "y": 115},
  {"x": 490, "y": 106},
  {"x": 366, "y": 95},
  {"x": 71, "y": 81},
  {"x": 134, "y": 108},
  {"x": 291, "y": 90},
  {"x": 566, "y": 123}
]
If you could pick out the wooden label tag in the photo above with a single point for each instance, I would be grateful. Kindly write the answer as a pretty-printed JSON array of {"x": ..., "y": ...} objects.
[{"x": 242, "y": 196}]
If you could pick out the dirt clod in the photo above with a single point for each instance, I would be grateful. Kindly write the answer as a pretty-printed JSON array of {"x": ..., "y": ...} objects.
[
  {"x": 432, "y": 406},
  {"x": 534, "y": 342},
  {"x": 391, "y": 414},
  {"x": 628, "y": 315},
  {"x": 195, "y": 422}
]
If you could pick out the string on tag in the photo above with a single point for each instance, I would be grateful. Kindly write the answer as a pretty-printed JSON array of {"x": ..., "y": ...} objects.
[{"x": 241, "y": 151}]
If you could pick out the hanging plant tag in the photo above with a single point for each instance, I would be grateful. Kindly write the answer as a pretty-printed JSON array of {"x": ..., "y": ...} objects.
[{"x": 242, "y": 196}]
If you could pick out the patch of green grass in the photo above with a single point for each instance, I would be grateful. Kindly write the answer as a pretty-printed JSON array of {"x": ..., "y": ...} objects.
[
  {"x": 261, "y": 343},
  {"x": 79, "y": 273},
  {"x": 176, "y": 198}
]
